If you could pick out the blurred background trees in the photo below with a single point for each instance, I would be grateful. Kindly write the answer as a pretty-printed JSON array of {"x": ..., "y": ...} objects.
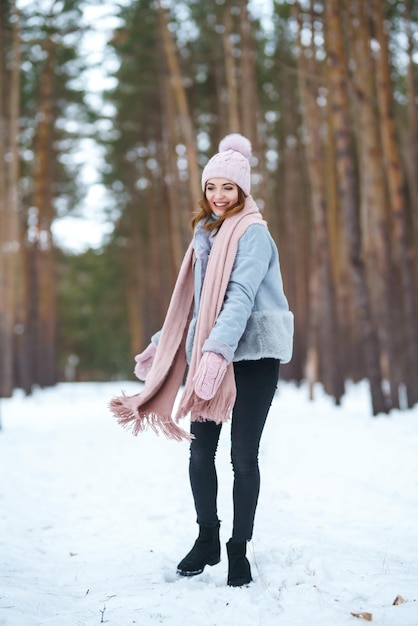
[{"x": 327, "y": 94}]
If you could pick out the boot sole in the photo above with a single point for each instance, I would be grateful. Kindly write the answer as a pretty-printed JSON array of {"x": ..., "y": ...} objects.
[
  {"x": 240, "y": 582},
  {"x": 183, "y": 572}
]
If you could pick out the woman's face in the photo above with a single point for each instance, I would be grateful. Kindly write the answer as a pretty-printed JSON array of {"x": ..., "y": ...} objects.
[{"x": 222, "y": 194}]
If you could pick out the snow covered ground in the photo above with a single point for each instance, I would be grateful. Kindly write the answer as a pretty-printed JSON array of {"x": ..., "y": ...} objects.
[{"x": 93, "y": 521}]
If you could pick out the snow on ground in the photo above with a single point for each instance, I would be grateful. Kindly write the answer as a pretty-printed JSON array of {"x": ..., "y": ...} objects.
[{"x": 93, "y": 521}]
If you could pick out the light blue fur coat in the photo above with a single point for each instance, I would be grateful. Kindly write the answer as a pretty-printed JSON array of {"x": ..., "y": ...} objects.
[{"x": 255, "y": 321}]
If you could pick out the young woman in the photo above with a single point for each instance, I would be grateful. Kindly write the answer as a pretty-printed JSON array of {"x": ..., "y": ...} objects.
[{"x": 229, "y": 320}]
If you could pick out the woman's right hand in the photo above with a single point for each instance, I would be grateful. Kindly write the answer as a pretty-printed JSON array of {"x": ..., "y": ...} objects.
[
  {"x": 143, "y": 362},
  {"x": 210, "y": 373}
]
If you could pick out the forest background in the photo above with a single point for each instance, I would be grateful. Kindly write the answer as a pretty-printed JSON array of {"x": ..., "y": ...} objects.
[{"x": 327, "y": 93}]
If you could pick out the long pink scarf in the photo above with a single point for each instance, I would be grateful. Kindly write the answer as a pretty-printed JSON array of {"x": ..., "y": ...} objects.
[{"x": 153, "y": 407}]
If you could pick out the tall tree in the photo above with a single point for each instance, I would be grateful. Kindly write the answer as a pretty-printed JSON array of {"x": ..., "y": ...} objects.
[
  {"x": 373, "y": 205},
  {"x": 411, "y": 129},
  {"x": 185, "y": 120},
  {"x": 408, "y": 345},
  {"x": 323, "y": 346},
  {"x": 149, "y": 193},
  {"x": 337, "y": 81},
  {"x": 50, "y": 104},
  {"x": 11, "y": 265}
]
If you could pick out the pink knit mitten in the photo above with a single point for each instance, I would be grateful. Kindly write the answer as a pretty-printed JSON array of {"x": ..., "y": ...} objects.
[
  {"x": 144, "y": 362},
  {"x": 209, "y": 375}
]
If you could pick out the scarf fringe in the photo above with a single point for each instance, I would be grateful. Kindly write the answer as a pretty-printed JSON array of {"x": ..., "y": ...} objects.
[
  {"x": 208, "y": 415},
  {"x": 218, "y": 409},
  {"x": 138, "y": 422}
]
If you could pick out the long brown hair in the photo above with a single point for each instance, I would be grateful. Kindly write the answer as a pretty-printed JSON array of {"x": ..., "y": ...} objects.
[{"x": 205, "y": 212}]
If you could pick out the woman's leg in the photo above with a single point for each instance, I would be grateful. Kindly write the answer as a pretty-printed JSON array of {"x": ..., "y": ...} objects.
[
  {"x": 256, "y": 383},
  {"x": 207, "y": 548},
  {"x": 202, "y": 471}
]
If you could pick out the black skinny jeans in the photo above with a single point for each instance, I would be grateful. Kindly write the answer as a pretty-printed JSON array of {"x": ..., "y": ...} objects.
[{"x": 256, "y": 382}]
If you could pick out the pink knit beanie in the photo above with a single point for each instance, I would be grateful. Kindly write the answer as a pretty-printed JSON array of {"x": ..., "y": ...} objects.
[{"x": 231, "y": 162}]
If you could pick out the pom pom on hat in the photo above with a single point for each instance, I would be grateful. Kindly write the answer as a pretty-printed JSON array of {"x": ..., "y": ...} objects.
[
  {"x": 231, "y": 162},
  {"x": 236, "y": 142}
]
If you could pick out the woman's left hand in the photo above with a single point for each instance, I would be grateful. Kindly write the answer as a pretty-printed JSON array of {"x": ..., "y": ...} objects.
[{"x": 209, "y": 375}]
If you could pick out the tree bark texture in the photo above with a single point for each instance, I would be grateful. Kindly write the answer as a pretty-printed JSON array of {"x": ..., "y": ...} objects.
[{"x": 337, "y": 81}]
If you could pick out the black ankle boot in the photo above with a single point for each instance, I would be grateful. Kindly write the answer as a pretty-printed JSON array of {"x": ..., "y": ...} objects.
[
  {"x": 239, "y": 571},
  {"x": 206, "y": 551}
]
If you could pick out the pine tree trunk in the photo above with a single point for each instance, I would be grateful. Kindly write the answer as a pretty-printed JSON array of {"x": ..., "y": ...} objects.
[
  {"x": 11, "y": 266},
  {"x": 177, "y": 222},
  {"x": 250, "y": 107},
  {"x": 184, "y": 116},
  {"x": 154, "y": 254},
  {"x": 350, "y": 363},
  {"x": 44, "y": 249},
  {"x": 249, "y": 95},
  {"x": 20, "y": 344},
  {"x": 232, "y": 106},
  {"x": 6, "y": 316},
  {"x": 337, "y": 82},
  {"x": 323, "y": 327},
  {"x": 373, "y": 203},
  {"x": 411, "y": 139},
  {"x": 291, "y": 227},
  {"x": 136, "y": 272},
  {"x": 408, "y": 347}
]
